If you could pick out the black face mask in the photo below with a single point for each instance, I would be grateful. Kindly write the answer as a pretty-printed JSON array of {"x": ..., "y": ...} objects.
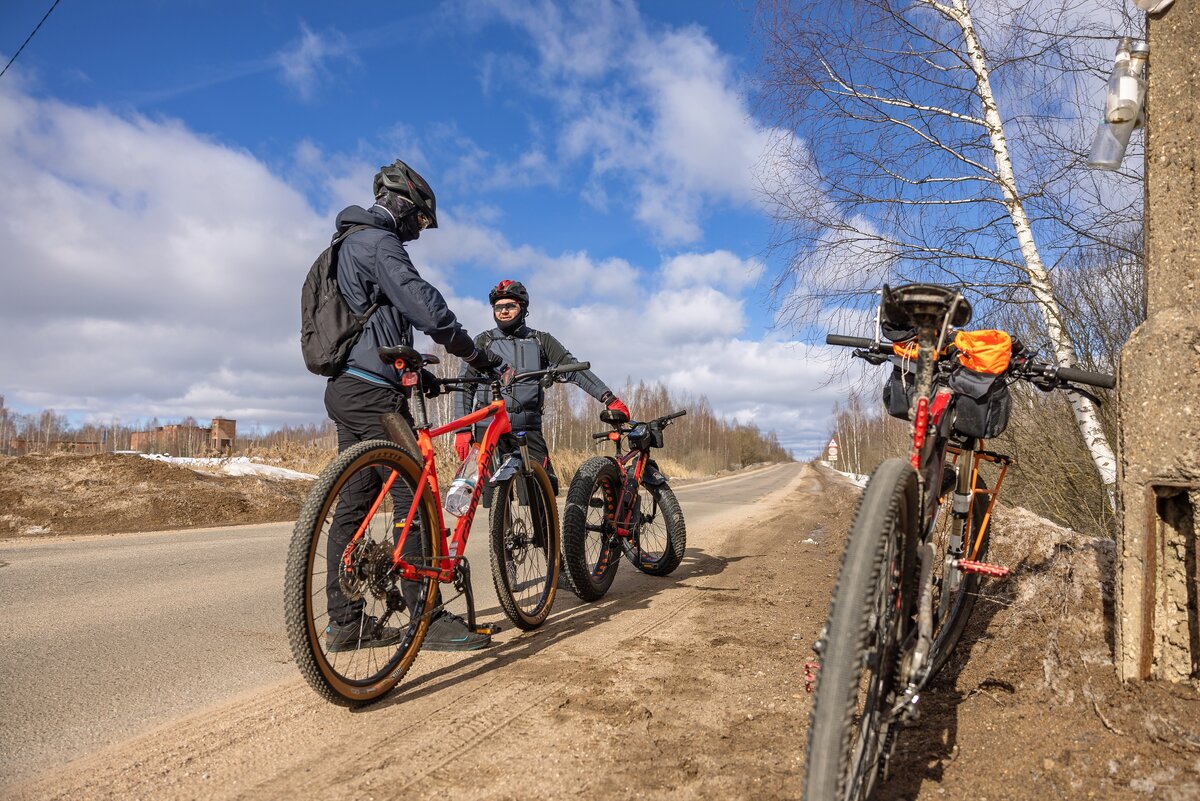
[
  {"x": 512, "y": 325},
  {"x": 404, "y": 212}
]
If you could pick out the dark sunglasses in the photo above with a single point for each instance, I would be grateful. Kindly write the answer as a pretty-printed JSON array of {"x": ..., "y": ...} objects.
[{"x": 507, "y": 307}]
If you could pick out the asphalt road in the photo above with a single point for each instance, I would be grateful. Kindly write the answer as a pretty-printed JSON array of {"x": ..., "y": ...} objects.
[{"x": 108, "y": 637}]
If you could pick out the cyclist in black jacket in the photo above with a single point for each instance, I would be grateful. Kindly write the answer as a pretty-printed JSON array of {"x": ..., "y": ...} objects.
[
  {"x": 373, "y": 267},
  {"x": 523, "y": 348}
]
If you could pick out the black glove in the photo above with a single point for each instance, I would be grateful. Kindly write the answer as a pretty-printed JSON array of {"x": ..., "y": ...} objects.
[
  {"x": 484, "y": 361},
  {"x": 431, "y": 387}
]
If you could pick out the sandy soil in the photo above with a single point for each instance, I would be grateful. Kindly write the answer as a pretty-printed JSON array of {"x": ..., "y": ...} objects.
[
  {"x": 66, "y": 495},
  {"x": 692, "y": 687}
]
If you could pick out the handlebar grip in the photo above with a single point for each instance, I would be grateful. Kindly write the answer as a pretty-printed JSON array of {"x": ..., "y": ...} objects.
[
  {"x": 1085, "y": 377},
  {"x": 573, "y": 368},
  {"x": 601, "y": 435},
  {"x": 673, "y": 415},
  {"x": 849, "y": 342}
]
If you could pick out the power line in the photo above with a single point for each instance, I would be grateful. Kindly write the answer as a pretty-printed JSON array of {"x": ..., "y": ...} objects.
[{"x": 27, "y": 38}]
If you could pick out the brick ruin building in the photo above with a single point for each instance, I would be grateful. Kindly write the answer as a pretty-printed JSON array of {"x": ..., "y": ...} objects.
[
  {"x": 1157, "y": 626},
  {"x": 187, "y": 440}
]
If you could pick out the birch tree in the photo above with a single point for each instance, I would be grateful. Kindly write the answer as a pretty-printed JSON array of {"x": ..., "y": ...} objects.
[{"x": 897, "y": 163}]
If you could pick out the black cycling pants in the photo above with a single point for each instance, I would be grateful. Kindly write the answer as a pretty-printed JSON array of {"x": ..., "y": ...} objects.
[{"x": 356, "y": 407}]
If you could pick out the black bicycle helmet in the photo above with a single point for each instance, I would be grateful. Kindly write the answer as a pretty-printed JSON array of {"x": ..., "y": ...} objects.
[
  {"x": 513, "y": 290},
  {"x": 407, "y": 182}
]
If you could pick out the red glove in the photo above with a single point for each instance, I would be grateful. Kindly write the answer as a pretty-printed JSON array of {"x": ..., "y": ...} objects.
[
  {"x": 615, "y": 404},
  {"x": 462, "y": 444}
]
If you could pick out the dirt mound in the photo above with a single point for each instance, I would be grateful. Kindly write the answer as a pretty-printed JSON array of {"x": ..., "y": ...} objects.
[
  {"x": 1030, "y": 707},
  {"x": 67, "y": 495}
]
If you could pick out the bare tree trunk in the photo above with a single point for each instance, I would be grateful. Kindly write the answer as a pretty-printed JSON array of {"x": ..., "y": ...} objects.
[{"x": 1086, "y": 416}]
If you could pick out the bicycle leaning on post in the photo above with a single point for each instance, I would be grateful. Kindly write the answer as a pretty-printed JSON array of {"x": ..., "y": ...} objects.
[
  {"x": 400, "y": 538},
  {"x": 916, "y": 550},
  {"x": 622, "y": 504}
]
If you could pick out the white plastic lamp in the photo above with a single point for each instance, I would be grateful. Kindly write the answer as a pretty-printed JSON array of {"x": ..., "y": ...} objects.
[{"x": 1122, "y": 105}]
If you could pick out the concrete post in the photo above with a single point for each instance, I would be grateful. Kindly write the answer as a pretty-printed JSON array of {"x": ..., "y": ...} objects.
[{"x": 1158, "y": 630}]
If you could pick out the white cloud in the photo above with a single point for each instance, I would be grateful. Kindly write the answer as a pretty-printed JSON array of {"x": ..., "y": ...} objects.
[
  {"x": 150, "y": 271},
  {"x": 305, "y": 65},
  {"x": 719, "y": 268},
  {"x": 657, "y": 115}
]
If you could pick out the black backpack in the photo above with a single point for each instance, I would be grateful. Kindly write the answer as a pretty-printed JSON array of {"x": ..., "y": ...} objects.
[{"x": 328, "y": 328}]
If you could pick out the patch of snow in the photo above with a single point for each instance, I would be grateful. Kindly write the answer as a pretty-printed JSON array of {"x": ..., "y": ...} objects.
[{"x": 231, "y": 466}]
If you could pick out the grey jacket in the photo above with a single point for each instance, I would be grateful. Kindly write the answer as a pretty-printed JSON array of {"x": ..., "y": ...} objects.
[
  {"x": 524, "y": 349},
  {"x": 373, "y": 265}
]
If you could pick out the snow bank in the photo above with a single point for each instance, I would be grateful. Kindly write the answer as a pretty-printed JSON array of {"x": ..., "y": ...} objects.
[{"x": 231, "y": 466}]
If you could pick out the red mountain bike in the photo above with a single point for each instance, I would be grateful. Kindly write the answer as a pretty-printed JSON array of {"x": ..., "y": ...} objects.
[
  {"x": 622, "y": 504},
  {"x": 914, "y": 557},
  {"x": 371, "y": 534}
]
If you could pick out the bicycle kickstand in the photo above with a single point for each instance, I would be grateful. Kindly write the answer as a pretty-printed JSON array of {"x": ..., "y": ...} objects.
[{"x": 462, "y": 582}]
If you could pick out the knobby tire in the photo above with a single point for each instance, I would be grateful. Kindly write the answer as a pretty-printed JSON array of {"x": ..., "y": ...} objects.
[
  {"x": 851, "y": 730},
  {"x": 525, "y": 549},
  {"x": 591, "y": 554},
  {"x": 662, "y": 535},
  {"x": 361, "y": 675}
]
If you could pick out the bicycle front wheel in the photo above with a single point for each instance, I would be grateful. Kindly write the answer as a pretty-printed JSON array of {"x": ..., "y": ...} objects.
[
  {"x": 525, "y": 547},
  {"x": 662, "y": 535},
  {"x": 852, "y": 726},
  {"x": 353, "y": 627}
]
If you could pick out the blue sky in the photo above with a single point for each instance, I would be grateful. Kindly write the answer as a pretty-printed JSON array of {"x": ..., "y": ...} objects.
[{"x": 172, "y": 168}]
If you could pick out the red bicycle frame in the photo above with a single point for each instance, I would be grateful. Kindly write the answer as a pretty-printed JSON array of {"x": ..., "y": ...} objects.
[
  {"x": 628, "y": 489},
  {"x": 451, "y": 549}
]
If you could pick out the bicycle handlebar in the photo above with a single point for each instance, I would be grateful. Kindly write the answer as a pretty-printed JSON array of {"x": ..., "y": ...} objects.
[
  {"x": 1029, "y": 370},
  {"x": 1041, "y": 370}
]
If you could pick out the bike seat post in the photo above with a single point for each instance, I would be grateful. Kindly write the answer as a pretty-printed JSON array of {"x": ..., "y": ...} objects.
[{"x": 416, "y": 404}]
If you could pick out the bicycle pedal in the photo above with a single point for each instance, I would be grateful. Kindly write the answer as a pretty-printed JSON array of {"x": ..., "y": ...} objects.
[
  {"x": 982, "y": 568},
  {"x": 488, "y": 629}
]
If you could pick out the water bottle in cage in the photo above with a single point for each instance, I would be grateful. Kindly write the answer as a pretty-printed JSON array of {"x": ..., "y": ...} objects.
[{"x": 458, "y": 498}]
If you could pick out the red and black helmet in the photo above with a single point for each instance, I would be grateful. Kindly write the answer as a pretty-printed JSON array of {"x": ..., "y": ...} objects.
[
  {"x": 513, "y": 290},
  {"x": 407, "y": 182}
]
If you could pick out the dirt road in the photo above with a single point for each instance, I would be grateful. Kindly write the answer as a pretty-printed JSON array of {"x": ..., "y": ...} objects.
[
  {"x": 691, "y": 687},
  {"x": 671, "y": 683}
]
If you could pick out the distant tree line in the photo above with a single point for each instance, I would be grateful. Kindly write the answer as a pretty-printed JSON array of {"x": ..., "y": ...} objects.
[{"x": 701, "y": 439}]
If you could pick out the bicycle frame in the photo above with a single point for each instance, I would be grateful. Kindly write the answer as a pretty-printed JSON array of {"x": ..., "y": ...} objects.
[
  {"x": 451, "y": 549},
  {"x": 624, "y": 509}
]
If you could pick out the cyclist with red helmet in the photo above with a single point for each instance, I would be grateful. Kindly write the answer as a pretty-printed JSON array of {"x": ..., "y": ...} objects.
[{"x": 523, "y": 348}]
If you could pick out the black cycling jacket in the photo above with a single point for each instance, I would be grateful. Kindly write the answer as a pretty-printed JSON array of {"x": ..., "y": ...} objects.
[
  {"x": 525, "y": 349},
  {"x": 373, "y": 265}
]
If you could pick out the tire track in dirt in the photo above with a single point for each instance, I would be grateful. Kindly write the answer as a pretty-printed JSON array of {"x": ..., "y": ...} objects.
[{"x": 531, "y": 693}]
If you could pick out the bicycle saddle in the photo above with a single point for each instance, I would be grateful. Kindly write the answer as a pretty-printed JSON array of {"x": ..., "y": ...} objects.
[
  {"x": 924, "y": 305},
  {"x": 411, "y": 359}
]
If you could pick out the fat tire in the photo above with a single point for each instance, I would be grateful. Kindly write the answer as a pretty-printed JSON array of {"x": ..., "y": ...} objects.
[
  {"x": 544, "y": 516},
  {"x": 882, "y": 540},
  {"x": 298, "y": 597},
  {"x": 586, "y": 580},
  {"x": 667, "y": 505}
]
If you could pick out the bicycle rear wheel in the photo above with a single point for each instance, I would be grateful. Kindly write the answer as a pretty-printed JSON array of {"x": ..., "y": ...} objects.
[
  {"x": 352, "y": 632},
  {"x": 525, "y": 547},
  {"x": 852, "y": 728},
  {"x": 662, "y": 535},
  {"x": 954, "y": 593},
  {"x": 591, "y": 553}
]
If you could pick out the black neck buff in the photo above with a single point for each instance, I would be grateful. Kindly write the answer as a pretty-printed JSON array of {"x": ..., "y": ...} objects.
[
  {"x": 403, "y": 211},
  {"x": 512, "y": 325}
]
